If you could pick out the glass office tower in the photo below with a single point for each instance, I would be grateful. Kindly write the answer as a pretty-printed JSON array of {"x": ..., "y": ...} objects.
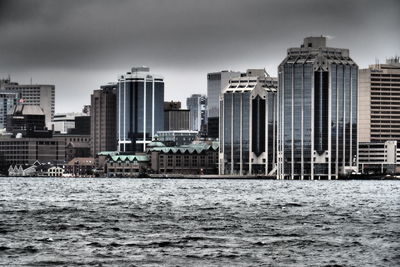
[
  {"x": 248, "y": 126},
  {"x": 140, "y": 106},
  {"x": 317, "y": 112}
]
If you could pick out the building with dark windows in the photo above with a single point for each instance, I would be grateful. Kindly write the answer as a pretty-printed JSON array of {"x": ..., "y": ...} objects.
[
  {"x": 216, "y": 83},
  {"x": 379, "y": 102},
  {"x": 248, "y": 125},
  {"x": 317, "y": 112},
  {"x": 7, "y": 101},
  {"x": 103, "y": 114},
  {"x": 36, "y": 94},
  {"x": 140, "y": 109},
  {"x": 197, "y": 104},
  {"x": 175, "y": 118},
  {"x": 176, "y": 138},
  {"x": 379, "y": 157}
]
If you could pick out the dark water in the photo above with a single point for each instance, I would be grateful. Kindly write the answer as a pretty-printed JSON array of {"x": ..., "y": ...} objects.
[{"x": 125, "y": 222}]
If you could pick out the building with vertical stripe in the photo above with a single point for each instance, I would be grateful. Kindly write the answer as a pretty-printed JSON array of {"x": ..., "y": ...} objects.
[
  {"x": 317, "y": 112},
  {"x": 247, "y": 131},
  {"x": 140, "y": 109}
]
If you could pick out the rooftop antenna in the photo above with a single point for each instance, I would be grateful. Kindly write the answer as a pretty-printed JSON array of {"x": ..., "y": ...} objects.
[{"x": 31, "y": 80}]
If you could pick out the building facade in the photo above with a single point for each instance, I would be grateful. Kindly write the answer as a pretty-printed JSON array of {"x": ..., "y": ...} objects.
[
  {"x": 216, "y": 83},
  {"x": 197, "y": 104},
  {"x": 176, "y": 138},
  {"x": 36, "y": 94},
  {"x": 379, "y": 102},
  {"x": 104, "y": 119},
  {"x": 140, "y": 109},
  {"x": 317, "y": 112},
  {"x": 379, "y": 157},
  {"x": 175, "y": 118},
  {"x": 7, "y": 101},
  {"x": 248, "y": 125}
]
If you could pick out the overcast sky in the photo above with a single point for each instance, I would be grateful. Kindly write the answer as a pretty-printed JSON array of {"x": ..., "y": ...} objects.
[{"x": 79, "y": 45}]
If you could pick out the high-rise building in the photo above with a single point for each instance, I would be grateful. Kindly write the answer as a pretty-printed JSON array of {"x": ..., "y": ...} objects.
[
  {"x": 248, "y": 125},
  {"x": 216, "y": 83},
  {"x": 104, "y": 119},
  {"x": 379, "y": 102},
  {"x": 36, "y": 94},
  {"x": 175, "y": 118},
  {"x": 140, "y": 109},
  {"x": 197, "y": 104},
  {"x": 7, "y": 101},
  {"x": 317, "y": 112}
]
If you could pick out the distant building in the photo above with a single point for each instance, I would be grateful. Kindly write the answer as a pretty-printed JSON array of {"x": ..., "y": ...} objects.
[
  {"x": 140, "y": 109},
  {"x": 197, "y": 104},
  {"x": 127, "y": 165},
  {"x": 80, "y": 167},
  {"x": 76, "y": 145},
  {"x": 104, "y": 119},
  {"x": 28, "y": 150},
  {"x": 176, "y": 138},
  {"x": 379, "y": 102},
  {"x": 62, "y": 122},
  {"x": 317, "y": 112},
  {"x": 216, "y": 83},
  {"x": 189, "y": 159},
  {"x": 175, "y": 118},
  {"x": 36, "y": 94},
  {"x": 82, "y": 125},
  {"x": 27, "y": 120},
  {"x": 248, "y": 124},
  {"x": 379, "y": 157},
  {"x": 7, "y": 101}
]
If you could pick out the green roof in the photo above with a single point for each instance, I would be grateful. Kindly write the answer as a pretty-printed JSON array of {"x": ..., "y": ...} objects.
[
  {"x": 129, "y": 158},
  {"x": 155, "y": 144}
]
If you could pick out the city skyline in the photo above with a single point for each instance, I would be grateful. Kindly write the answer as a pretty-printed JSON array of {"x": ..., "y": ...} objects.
[{"x": 73, "y": 44}]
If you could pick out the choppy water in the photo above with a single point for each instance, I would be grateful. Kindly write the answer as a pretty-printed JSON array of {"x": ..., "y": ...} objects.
[{"x": 126, "y": 222}]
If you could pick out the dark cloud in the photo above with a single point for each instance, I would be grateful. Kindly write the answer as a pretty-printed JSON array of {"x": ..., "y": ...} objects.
[{"x": 182, "y": 39}]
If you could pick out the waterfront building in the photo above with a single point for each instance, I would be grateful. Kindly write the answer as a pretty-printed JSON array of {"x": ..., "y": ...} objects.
[
  {"x": 7, "y": 101},
  {"x": 127, "y": 165},
  {"x": 216, "y": 83},
  {"x": 140, "y": 109},
  {"x": 248, "y": 125},
  {"x": 196, "y": 159},
  {"x": 175, "y": 118},
  {"x": 379, "y": 157},
  {"x": 317, "y": 112},
  {"x": 104, "y": 119},
  {"x": 379, "y": 102},
  {"x": 197, "y": 104},
  {"x": 36, "y": 94},
  {"x": 21, "y": 151},
  {"x": 176, "y": 138},
  {"x": 80, "y": 167}
]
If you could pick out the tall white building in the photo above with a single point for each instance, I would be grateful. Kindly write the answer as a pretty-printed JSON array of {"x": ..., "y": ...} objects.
[
  {"x": 247, "y": 131},
  {"x": 140, "y": 109},
  {"x": 36, "y": 94}
]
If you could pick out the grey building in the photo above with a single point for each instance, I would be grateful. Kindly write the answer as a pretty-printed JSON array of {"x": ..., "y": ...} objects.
[
  {"x": 379, "y": 157},
  {"x": 104, "y": 119},
  {"x": 7, "y": 101},
  {"x": 216, "y": 83},
  {"x": 379, "y": 102},
  {"x": 197, "y": 104},
  {"x": 248, "y": 126},
  {"x": 36, "y": 94},
  {"x": 317, "y": 112},
  {"x": 140, "y": 109},
  {"x": 175, "y": 118},
  {"x": 176, "y": 138}
]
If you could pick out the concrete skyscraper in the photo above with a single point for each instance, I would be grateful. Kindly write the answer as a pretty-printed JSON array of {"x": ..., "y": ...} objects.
[
  {"x": 379, "y": 102},
  {"x": 216, "y": 83},
  {"x": 248, "y": 125},
  {"x": 104, "y": 119},
  {"x": 317, "y": 112},
  {"x": 197, "y": 104},
  {"x": 140, "y": 109}
]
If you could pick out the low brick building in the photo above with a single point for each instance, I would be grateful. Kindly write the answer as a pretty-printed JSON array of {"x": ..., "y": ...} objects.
[
  {"x": 127, "y": 165},
  {"x": 80, "y": 167}
]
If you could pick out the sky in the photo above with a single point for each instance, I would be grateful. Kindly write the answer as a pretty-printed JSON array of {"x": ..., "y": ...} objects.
[{"x": 79, "y": 45}]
